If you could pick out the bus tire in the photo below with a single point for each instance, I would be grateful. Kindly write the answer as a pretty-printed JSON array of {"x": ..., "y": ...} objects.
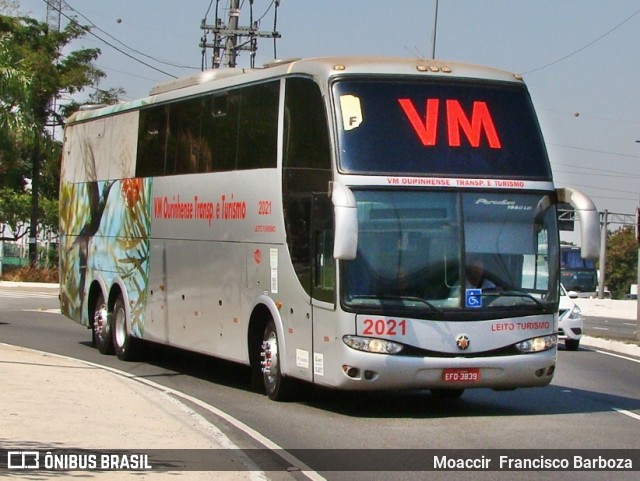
[
  {"x": 126, "y": 347},
  {"x": 101, "y": 327},
  {"x": 276, "y": 386}
]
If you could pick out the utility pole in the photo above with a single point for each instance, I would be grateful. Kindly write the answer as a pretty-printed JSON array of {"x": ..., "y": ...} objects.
[
  {"x": 54, "y": 8},
  {"x": 230, "y": 52},
  {"x": 435, "y": 33},
  {"x": 638, "y": 279},
  {"x": 53, "y": 21},
  {"x": 604, "y": 219},
  {"x": 235, "y": 37}
]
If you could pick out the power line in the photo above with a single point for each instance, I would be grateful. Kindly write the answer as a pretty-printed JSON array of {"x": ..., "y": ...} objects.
[
  {"x": 111, "y": 45},
  {"x": 106, "y": 67},
  {"x": 612, "y": 190},
  {"x": 120, "y": 50},
  {"x": 583, "y": 47},
  {"x": 588, "y": 116},
  {"x": 150, "y": 57},
  {"x": 599, "y": 173},
  {"x": 612, "y": 173},
  {"x": 618, "y": 154},
  {"x": 606, "y": 197}
]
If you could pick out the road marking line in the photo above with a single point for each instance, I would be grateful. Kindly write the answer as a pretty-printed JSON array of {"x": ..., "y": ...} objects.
[
  {"x": 618, "y": 355},
  {"x": 628, "y": 413}
]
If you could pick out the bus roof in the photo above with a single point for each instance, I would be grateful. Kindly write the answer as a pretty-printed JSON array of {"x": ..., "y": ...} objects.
[{"x": 324, "y": 67}]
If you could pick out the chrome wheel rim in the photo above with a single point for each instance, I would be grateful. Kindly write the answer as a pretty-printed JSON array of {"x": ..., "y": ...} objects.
[{"x": 120, "y": 326}]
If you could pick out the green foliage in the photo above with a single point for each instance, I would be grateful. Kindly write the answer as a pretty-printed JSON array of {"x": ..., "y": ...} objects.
[
  {"x": 41, "y": 53},
  {"x": 14, "y": 213},
  {"x": 621, "y": 269},
  {"x": 16, "y": 121},
  {"x": 33, "y": 72},
  {"x": 98, "y": 97}
]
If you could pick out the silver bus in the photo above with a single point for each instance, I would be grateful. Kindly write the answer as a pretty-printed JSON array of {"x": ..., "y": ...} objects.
[{"x": 323, "y": 220}]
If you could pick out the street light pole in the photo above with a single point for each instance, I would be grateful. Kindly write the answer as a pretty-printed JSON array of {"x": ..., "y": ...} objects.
[{"x": 603, "y": 253}]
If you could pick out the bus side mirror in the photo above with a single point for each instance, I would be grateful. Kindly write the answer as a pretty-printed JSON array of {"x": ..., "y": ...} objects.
[
  {"x": 345, "y": 244},
  {"x": 589, "y": 220}
]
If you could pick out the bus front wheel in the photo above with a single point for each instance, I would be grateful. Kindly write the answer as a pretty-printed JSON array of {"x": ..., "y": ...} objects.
[
  {"x": 275, "y": 384},
  {"x": 101, "y": 327}
]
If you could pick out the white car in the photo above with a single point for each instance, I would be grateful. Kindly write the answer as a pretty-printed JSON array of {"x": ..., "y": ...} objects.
[{"x": 570, "y": 322}]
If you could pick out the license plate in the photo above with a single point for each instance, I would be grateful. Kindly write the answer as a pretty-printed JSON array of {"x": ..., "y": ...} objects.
[{"x": 461, "y": 375}]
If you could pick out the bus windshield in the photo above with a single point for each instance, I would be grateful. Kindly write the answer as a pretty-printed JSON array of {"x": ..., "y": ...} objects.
[
  {"x": 417, "y": 253},
  {"x": 455, "y": 128}
]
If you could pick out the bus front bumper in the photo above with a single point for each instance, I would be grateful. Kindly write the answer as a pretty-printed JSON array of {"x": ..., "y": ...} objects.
[{"x": 366, "y": 371}]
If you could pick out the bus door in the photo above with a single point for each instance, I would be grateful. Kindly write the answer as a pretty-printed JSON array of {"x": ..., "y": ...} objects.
[{"x": 323, "y": 282}]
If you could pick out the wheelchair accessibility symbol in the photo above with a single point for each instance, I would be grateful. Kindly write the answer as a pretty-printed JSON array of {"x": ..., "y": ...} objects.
[{"x": 473, "y": 298}]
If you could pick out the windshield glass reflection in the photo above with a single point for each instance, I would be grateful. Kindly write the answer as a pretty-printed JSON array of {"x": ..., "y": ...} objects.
[{"x": 444, "y": 252}]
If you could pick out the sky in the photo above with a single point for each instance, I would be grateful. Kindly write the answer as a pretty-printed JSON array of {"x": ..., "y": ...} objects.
[{"x": 580, "y": 60}]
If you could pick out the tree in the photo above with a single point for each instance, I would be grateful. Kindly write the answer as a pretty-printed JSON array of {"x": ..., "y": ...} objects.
[
  {"x": 16, "y": 125},
  {"x": 9, "y": 7},
  {"x": 14, "y": 212},
  {"x": 16, "y": 122},
  {"x": 97, "y": 97},
  {"x": 34, "y": 73},
  {"x": 622, "y": 261}
]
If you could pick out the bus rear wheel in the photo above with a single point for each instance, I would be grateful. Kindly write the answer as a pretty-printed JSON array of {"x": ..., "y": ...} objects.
[
  {"x": 101, "y": 327},
  {"x": 276, "y": 386},
  {"x": 126, "y": 347}
]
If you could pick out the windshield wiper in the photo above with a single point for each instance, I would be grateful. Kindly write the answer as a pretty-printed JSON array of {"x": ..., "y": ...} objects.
[
  {"x": 523, "y": 294},
  {"x": 401, "y": 298}
]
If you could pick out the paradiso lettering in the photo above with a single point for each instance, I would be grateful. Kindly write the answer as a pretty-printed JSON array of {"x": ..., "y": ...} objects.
[
  {"x": 457, "y": 120},
  {"x": 197, "y": 209}
]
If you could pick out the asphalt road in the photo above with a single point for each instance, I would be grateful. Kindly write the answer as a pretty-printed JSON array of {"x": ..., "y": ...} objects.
[
  {"x": 622, "y": 329},
  {"x": 593, "y": 403}
]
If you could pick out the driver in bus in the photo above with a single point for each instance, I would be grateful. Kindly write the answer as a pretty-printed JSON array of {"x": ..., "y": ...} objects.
[{"x": 476, "y": 276}]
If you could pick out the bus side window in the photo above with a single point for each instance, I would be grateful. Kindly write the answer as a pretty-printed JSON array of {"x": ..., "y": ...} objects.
[
  {"x": 220, "y": 127},
  {"x": 186, "y": 145},
  {"x": 258, "y": 127},
  {"x": 152, "y": 139}
]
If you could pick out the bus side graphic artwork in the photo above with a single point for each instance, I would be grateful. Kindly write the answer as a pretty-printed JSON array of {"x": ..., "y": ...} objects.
[
  {"x": 112, "y": 234},
  {"x": 269, "y": 217}
]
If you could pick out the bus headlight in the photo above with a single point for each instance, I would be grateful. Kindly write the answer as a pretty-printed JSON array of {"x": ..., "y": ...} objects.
[
  {"x": 369, "y": 344},
  {"x": 538, "y": 344}
]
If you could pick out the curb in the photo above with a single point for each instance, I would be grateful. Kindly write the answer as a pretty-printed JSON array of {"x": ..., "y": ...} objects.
[{"x": 611, "y": 345}]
